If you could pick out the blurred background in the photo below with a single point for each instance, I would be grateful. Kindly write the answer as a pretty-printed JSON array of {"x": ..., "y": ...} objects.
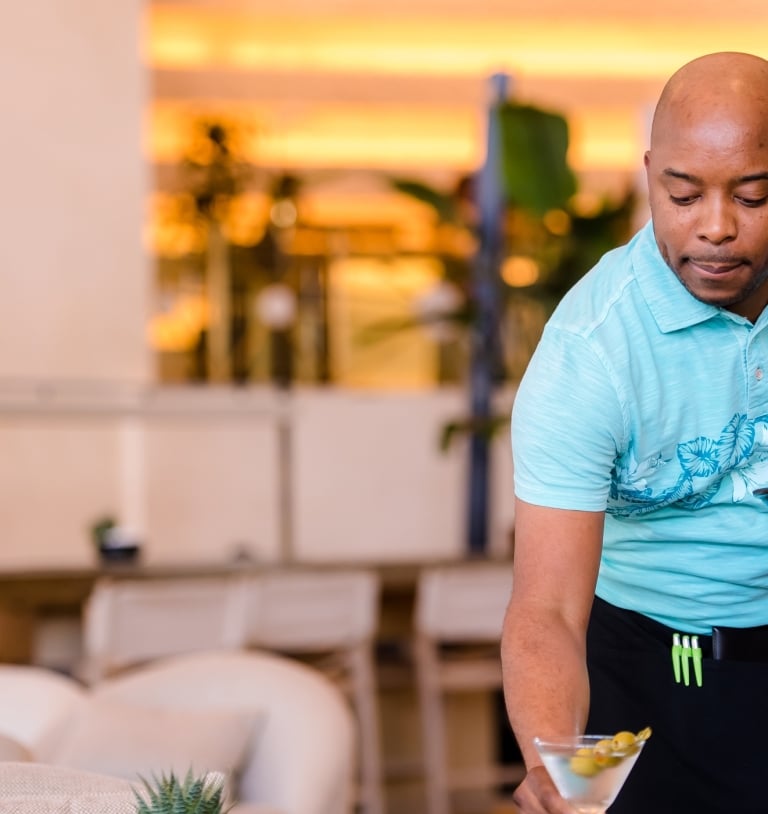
[{"x": 270, "y": 272}]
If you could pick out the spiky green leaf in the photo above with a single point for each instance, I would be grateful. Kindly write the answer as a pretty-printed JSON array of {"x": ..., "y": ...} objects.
[{"x": 167, "y": 794}]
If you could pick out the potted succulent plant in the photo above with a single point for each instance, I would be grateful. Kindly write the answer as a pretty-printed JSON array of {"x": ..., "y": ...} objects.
[{"x": 192, "y": 794}]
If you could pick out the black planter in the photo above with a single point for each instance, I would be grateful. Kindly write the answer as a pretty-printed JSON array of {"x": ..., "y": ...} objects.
[{"x": 119, "y": 553}]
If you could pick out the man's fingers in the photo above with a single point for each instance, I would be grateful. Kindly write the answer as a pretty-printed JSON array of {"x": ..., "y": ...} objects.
[{"x": 537, "y": 795}]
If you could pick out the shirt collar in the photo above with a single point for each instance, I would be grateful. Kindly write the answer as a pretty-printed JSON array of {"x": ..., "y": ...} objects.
[{"x": 671, "y": 305}]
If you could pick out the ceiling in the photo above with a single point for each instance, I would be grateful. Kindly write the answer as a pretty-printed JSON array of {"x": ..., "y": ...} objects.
[{"x": 403, "y": 84}]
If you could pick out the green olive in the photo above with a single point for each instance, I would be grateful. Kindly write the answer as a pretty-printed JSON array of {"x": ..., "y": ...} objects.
[
  {"x": 624, "y": 742},
  {"x": 604, "y": 756},
  {"x": 583, "y": 763},
  {"x": 643, "y": 735}
]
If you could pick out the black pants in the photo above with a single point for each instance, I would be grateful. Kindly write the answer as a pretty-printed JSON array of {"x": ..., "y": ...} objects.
[{"x": 709, "y": 750}]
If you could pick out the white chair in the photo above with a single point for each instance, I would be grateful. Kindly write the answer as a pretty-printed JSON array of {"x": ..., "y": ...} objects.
[
  {"x": 295, "y": 730},
  {"x": 329, "y": 617},
  {"x": 37, "y": 706},
  {"x": 457, "y": 619},
  {"x": 127, "y": 622},
  {"x": 303, "y": 758}
]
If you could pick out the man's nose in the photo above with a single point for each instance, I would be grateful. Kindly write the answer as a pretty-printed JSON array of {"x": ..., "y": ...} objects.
[{"x": 717, "y": 221}]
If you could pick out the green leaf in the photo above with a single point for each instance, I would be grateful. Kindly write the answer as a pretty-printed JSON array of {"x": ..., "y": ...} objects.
[
  {"x": 484, "y": 427},
  {"x": 168, "y": 794},
  {"x": 443, "y": 204},
  {"x": 534, "y": 167}
]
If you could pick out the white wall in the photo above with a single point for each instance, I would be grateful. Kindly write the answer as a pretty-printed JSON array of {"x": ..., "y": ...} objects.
[
  {"x": 73, "y": 275},
  {"x": 371, "y": 483},
  {"x": 198, "y": 472}
]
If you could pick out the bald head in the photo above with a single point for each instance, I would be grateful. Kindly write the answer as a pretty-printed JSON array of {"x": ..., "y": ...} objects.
[
  {"x": 713, "y": 85},
  {"x": 707, "y": 173}
]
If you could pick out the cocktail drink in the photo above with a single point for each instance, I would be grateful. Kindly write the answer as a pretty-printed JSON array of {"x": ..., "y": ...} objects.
[{"x": 589, "y": 770}]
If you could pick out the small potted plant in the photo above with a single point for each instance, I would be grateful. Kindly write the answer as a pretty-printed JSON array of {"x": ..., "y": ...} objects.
[
  {"x": 113, "y": 542},
  {"x": 193, "y": 794}
]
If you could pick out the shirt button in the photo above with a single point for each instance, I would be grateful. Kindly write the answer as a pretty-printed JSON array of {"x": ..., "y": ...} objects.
[{"x": 759, "y": 373}]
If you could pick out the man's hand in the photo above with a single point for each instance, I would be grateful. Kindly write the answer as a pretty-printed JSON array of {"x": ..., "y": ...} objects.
[{"x": 537, "y": 795}]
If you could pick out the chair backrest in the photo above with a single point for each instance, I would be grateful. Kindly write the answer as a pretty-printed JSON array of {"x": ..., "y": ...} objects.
[
  {"x": 37, "y": 705},
  {"x": 463, "y": 603},
  {"x": 304, "y": 756},
  {"x": 330, "y": 616},
  {"x": 312, "y": 610},
  {"x": 128, "y": 622}
]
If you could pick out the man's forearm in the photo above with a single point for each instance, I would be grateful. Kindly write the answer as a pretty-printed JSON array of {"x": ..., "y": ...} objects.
[{"x": 546, "y": 686}]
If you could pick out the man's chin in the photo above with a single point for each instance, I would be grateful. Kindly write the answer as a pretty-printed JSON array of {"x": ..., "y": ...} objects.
[{"x": 711, "y": 295}]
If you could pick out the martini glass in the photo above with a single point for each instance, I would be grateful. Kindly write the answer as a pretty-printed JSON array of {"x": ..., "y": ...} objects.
[{"x": 585, "y": 774}]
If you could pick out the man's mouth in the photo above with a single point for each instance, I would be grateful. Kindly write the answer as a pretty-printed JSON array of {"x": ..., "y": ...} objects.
[{"x": 716, "y": 267}]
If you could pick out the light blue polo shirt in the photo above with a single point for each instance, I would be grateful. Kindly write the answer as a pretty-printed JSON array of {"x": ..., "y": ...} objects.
[{"x": 648, "y": 404}]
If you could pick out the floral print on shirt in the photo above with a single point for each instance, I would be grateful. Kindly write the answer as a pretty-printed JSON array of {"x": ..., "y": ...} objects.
[{"x": 737, "y": 458}]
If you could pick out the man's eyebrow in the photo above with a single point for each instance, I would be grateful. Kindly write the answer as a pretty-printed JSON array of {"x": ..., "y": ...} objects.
[
  {"x": 756, "y": 176},
  {"x": 683, "y": 176},
  {"x": 694, "y": 179}
]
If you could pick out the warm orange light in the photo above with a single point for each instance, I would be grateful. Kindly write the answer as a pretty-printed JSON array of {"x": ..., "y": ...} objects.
[
  {"x": 518, "y": 271},
  {"x": 567, "y": 46},
  {"x": 610, "y": 138},
  {"x": 391, "y": 136},
  {"x": 365, "y": 292},
  {"x": 394, "y": 136},
  {"x": 309, "y": 130},
  {"x": 178, "y": 328},
  {"x": 557, "y": 222}
]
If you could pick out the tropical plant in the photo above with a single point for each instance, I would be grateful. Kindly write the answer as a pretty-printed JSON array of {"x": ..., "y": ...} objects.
[
  {"x": 545, "y": 227},
  {"x": 170, "y": 794}
]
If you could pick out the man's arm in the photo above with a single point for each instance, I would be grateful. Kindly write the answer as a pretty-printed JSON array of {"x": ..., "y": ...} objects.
[{"x": 557, "y": 553}]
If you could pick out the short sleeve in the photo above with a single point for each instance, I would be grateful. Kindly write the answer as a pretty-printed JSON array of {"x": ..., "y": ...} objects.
[{"x": 567, "y": 425}]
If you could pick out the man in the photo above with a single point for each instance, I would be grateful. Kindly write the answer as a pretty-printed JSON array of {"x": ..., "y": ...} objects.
[{"x": 640, "y": 441}]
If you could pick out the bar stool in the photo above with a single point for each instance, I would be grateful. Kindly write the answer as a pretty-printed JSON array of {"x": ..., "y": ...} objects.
[
  {"x": 127, "y": 622},
  {"x": 330, "y": 618},
  {"x": 458, "y": 617}
]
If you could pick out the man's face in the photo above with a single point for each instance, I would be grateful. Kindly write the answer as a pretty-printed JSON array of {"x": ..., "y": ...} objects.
[{"x": 708, "y": 188}]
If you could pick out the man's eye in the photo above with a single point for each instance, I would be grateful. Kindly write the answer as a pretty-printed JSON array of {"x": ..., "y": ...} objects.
[
  {"x": 683, "y": 200},
  {"x": 752, "y": 202}
]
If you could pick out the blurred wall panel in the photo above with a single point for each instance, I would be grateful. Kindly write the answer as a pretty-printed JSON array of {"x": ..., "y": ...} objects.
[
  {"x": 371, "y": 483},
  {"x": 73, "y": 272},
  {"x": 212, "y": 490},
  {"x": 57, "y": 476}
]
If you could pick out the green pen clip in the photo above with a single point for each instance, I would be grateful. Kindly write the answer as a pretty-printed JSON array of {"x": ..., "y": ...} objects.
[
  {"x": 677, "y": 651},
  {"x": 685, "y": 655},
  {"x": 696, "y": 656}
]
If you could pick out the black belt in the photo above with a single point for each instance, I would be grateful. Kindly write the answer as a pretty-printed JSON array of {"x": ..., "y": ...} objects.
[
  {"x": 740, "y": 643},
  {"x": 688, "y": 651}
]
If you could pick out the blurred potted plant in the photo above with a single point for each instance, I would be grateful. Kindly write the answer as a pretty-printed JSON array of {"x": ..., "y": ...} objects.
[{"x": 114, "y": 543}]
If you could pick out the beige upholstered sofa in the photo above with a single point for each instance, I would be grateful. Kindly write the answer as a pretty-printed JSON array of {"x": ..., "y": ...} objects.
[
  {"x": 36, "y": 788},
  {"x": 281, "y": 732}
]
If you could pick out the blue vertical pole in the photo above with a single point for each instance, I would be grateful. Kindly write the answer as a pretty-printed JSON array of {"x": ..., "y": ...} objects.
[{"x": 485, "y": 361}]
